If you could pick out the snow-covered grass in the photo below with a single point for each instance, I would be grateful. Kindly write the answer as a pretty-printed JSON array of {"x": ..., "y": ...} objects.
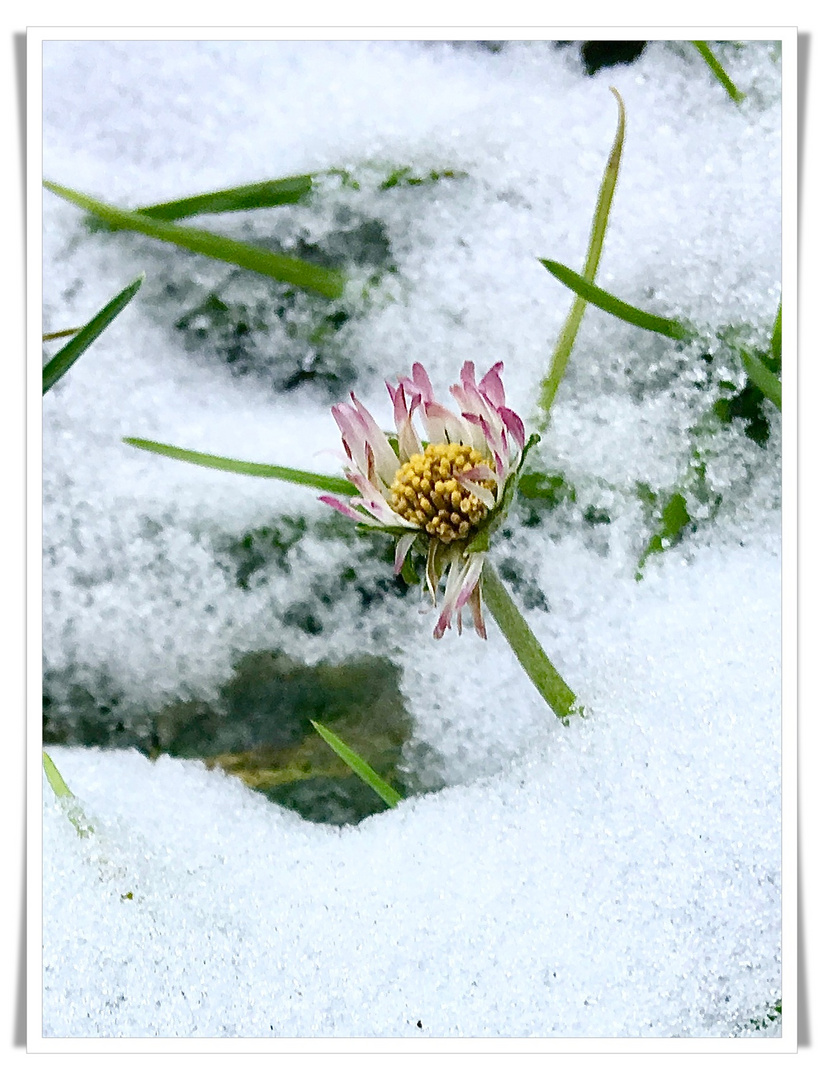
[{"x": 619, "y": 877}]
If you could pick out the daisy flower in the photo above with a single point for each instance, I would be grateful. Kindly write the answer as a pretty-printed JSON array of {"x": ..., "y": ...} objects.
[{"x": 443, "y": 494}]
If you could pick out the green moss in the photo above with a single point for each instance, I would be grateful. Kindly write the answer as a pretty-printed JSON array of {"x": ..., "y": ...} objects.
[
  {"x": 670, "y": 519},
  {"x": 541, "y": 494}
]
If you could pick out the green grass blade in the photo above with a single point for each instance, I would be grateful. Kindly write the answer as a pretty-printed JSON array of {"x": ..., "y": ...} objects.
[
  {"x": 607, "y": 302},
  {"x": 337, "y": 485},
  {"x": 304, "y": 275},
  {"x": 762, "y": 377},
  {"x": 718, "y": 71},
  {"x": 569, "y": 331},
  {"x": 775, "y": 341},
  {"x": 66, "y": 799},
  {"x": 60, "y": 363},
  {"x": 55, "y": 334},
  {"x": 359, "y": 766},
  {"x": 291, "y": 189},
  {"x": 56, "y": 781}
]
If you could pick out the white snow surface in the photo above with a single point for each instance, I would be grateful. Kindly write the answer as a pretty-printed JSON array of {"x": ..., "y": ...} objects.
[
  {"x": 622, "y": 879},
  {"x": 617, "y": 877}
]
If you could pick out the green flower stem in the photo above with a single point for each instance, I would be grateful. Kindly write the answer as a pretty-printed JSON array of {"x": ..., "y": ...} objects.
[{"x": 526, "y": 646}]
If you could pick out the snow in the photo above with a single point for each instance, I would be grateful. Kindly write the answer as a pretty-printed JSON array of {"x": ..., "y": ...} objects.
[{"x": 617, "y": 878}]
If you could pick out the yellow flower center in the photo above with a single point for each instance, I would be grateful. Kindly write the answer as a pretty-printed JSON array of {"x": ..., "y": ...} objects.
[{"x": 426, "y": 491}]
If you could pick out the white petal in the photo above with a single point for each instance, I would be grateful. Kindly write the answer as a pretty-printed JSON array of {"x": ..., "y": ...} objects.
[{"x": 480, "y": 492}]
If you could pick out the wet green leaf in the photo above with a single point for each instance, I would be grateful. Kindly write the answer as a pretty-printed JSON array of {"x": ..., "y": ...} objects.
[
  {"x": 718, "y": 71},
  {"x": 670, "y": 328},
  {"x": 761, "y": 376},
  {"x": 297, "y": 272},
  {"x": 775, "y": 344},
  {"x": 291, "y": 189},
  {"x": 358, "y": 765},
  {"x": 60, "y": 363},
  {"x": 334, "y": 484}
]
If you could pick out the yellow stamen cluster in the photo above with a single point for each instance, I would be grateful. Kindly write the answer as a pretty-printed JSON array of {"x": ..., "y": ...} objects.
[{"x": 426, "y": 491}]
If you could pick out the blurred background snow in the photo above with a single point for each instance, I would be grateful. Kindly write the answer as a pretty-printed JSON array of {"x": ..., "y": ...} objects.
[{"x": 618, "y": 877}]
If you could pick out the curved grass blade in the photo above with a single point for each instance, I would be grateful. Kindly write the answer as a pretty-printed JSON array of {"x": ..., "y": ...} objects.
[
  {"x": 762, "y": 377},
  {"x": 66, "y": 799},
  {"x": 63, "y": 360},
  {"x": 607, "y": 302},
  {"x": 291, "y": 189},
  {"x": 337, "y": 485},
  {"x": 304, "y": 275},
  {"x": 569, "y": 331},
  {"x": 359, "y": 766},
  {"x": 718, "y": 71}
]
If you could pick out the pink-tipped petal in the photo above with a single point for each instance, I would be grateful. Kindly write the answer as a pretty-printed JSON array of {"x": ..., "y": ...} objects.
[
  {"x": 384, "y": 457},
  {"x": 345, "y": 421},
  {"x": 470, "y": 577},
  {"x": 421, "y": 381},
  {"x": 495, "y": 443},
  {"x": 492, "y": 387},
  {"x": 409, "y": 442},
  {"x": 514, "y": 425},
  {"x": 443, "y": 425},
  {"x": 336, "y": 504},
  {"x": 468, "y": 374},
  {"x": 373, "y": 499},
  {"x": 450, "y": 597},
  {"x": 399, "y": 407}
]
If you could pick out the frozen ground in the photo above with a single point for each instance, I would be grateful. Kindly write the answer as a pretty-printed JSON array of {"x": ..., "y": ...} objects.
[{"x": 620, "y": 877}]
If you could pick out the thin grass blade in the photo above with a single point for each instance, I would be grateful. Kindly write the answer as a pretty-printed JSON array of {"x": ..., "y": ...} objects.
[
  {"x": 336, "y": 485},
  {"x": 607, "y": 302},
  {"x": 56, "y": 781},
  {"x": 65, "y": 797},
  {"x": 762, "y": 377},
  {"x": 569, "y": 331},
  {"x": 55, "y": 334},
  {"x": 359, "y": 766},
  {"x": 304, "y": 275},
  {"x": 718, "y": 71},
  {"x": 60, "y": 363},
  {"x": 775, "y": 341},
  {"x": 267, "y": 193}
]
